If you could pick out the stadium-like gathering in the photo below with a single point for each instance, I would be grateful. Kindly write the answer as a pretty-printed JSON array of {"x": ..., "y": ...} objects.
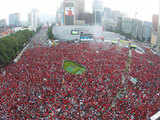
[{"x": 37, "y": 87}]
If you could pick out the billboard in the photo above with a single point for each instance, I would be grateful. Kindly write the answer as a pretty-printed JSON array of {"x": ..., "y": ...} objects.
[
  {"x": 86, "y": 37},
  {"x": 74, "y": 32},
  {"x": 69, "y": 11}
]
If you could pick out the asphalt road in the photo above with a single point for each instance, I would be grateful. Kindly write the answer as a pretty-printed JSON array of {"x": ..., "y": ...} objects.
[{"x": 40, "y": 39}]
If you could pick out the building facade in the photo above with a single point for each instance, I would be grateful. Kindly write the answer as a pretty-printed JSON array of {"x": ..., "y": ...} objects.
[
  {"x": 33, "y": 19},
  {"x": 80, "y": 6},
  {"x": 140, "y": 30},
  {"x": 155, "y": 22},
  {"x": 147, "y": 31},
  {"x": 86, "y": 18},
  {"x": 112, "y": 20},
  {"x": 98, "y": 11},
  {"x": 69, "y": 12},
  {"x": 107, "y": 13},
  {"x": 154, "y": 36},
  {"x": 127, "y": 25},
  {"x": 3, "y": 23},
  {"x": 14, "y": 20}
]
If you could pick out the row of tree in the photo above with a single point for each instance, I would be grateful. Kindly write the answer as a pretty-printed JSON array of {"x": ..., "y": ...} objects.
[
  {"x": 50, "y": 34},
  {"x": 38, "y": 28},
  {"x": 11, "y": 45}
]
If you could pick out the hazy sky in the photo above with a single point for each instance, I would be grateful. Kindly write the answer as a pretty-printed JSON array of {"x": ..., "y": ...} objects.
[{"x": 145, "y": 8}]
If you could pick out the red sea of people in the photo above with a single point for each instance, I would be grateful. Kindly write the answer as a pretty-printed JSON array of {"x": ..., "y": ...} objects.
[{"x": 38, "y": 88}]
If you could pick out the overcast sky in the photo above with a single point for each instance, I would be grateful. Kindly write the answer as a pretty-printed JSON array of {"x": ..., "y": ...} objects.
[{"x": 145, "y": 8}]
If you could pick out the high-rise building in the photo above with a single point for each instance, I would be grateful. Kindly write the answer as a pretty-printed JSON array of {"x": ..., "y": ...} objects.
[
  {"x": 3, "y": 26},
  {"x": 14, "y": 20},
  {"x": 33, "y": 19},
  {"x": 60, "y": 15},
  {"x": 116, "y": 15},
  {"x": 147, "y": 31},
  {"x": 97, "y": 11},
  {"x": 80, "y": 6},
  {"x": 155, "y": 22},
  {"x": 85, "y": 18},
  {"x": 69, "y": 12},
  {"x": 3, "y": 23},
  {"x": 107, "y": 14}
]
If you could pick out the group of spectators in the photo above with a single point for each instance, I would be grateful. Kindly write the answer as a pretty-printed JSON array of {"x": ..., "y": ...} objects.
[{"x": 37, "y": 87}]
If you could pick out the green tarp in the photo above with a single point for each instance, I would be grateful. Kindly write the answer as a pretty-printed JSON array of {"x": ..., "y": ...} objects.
[{"x": 73, "y": 67}]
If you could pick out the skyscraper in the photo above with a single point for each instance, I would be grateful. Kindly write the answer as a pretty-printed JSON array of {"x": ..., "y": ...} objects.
[
  {"x": 14, "y": 20},
  {"x": 107, "y": 13},
  {"x": 155, "y": 21},
  {"x": 3, "y": 23},
  {"x": 80, "y": 6},
  {"x": 33, "y": 18},
  {"x": 69, "y": 12},
  {"x": 97, "y": 11}
]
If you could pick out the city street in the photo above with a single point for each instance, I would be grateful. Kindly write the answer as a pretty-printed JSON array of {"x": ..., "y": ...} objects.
[
  {"x": 64, "y": 33},
  {"x": 40, "y": 39}
]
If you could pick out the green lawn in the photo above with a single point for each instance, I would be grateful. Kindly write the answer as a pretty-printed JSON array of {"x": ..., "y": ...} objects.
[{"x": 73, "y": 67}]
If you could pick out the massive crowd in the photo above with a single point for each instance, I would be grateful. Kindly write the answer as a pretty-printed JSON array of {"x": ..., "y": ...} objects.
[{"x": 37, "y": 87}]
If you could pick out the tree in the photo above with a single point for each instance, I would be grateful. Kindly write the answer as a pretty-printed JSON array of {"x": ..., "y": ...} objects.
[
  {"x": 50, "y": 34},
  {"x": 11, "y": 45}
]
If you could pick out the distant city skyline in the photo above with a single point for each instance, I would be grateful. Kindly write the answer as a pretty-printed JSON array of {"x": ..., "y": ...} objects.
[{"x": 144, "y": 9}]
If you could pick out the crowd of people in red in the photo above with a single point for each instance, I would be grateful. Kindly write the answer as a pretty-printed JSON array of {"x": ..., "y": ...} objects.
[{"x": 37, "y": 87}]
